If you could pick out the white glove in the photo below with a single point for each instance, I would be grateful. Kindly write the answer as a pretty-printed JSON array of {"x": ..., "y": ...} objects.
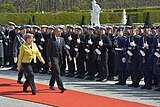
[
  {"x": 132, "y": 44},
  {"x": 67, "y": 47},
  {"x": 42, "y": 39},
  {"x": 78, "y": 41},
  {"x": 15, "y": 59},
  {"x": 98, "y": 51},
  {"x": 76, "y": 49},
  {"x": 157, "y": 54},
  {"x": 158, "y": 44},
  {"x": 123, "y": 60},
  {"x": 87, "y": 50},
  {"x": 145, "y": 45},
  {"x": 90, "y": 42},
  {"x": 101, "y": 43},
  {"x": 69, "y": 38},
  {"x": 34, "y": 39}
]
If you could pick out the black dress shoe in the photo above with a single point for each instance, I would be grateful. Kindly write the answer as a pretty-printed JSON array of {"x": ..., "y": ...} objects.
[
  {"x": 99, "y": 80},
  {"x": 25, "y": 90},
  {"x": 19, "y": 82},
  {"x": 52, "y": 88},
  {"x": 123, "y": 84},
  {"x": 86, "y": 74},
  {"x": 136, "y": 86},
  {"x": 131, "y": 85},
  {"x": 118, "y": 83},
  {"x": 158, "y": 89},
  {"x": 144, "y": 87},
  {"x": 63, "y": 90},
  {"x": 110, "y": 78},
  {"x": 70, "y": 75},
  {"x": 79, "y": 76},
  {"x": 33, "y": 92},
  {"x": 149, "y": 88},
  {"x": 89, "y": 78},
  {"x": 104, "y": 80}
]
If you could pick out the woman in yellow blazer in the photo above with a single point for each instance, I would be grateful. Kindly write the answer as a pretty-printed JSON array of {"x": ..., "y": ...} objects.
[{"x": 27, "y": 59}]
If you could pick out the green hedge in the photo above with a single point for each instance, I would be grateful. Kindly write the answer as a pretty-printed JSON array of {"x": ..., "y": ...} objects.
[{"x": 75, "y": 17}]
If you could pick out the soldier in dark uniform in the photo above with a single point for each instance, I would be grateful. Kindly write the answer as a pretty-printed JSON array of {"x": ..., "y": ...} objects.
[
  {"x": 90, "y": 42},
  {"x": 28, "y": 29},
  {"x": 2, "y": 38},
  {"x": 155, "y": 30},
  {"x": 132, "y": 64},
  {"x": 63, "y": 66},
  {"x": 146, "y": 57},
  {"x": 120, "y": 57},
  {"x": 5, "y": 43},
  {"x": 102, "y": 44},
  {"x": 111, "y": 53},
  {"x": 156, "y": 66},
  {"x": 79, "y": 52},
  {"x": 38, "y": 40},
  {"x": 12, "y": 35},
  {"x": 69, "y": 40},
  {"x": 18, "y": 41},
  {"x": 44, "y": 42}
]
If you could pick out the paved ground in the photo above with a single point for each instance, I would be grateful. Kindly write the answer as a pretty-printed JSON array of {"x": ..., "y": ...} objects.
[{"x": 107, "y": 89}]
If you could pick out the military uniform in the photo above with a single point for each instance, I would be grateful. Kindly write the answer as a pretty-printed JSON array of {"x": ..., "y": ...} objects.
[
  {"x": 111, "y": 62},
  {"x": 120, "y": 59},
  {"x": 102, "y": 44},
  {"x": 90, "y": 44},
  {"x": 18, "y": 41},
  {"x": 46, "y": 37},
  {"x": 156, "y": 65},
  {"x": 2, "y": 37},
  {"x": 69, "y": 40},
  {"x": 79, "y": 55},
  {"x": 146, "y": 59},
  {"x": 132, "y": 64}
]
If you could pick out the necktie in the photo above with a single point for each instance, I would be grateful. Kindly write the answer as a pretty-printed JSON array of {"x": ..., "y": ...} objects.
[{"x": 58, "y": 42}]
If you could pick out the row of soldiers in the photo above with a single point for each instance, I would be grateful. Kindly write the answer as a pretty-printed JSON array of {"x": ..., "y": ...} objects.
[{"x": 98, "y": 53}]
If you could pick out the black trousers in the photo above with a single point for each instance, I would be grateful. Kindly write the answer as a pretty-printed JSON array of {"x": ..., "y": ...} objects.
[
  {"x": 135, "y": 77},
  {"x": 20, "y": 74},
  {"x": 56, "y": 74},
  {"x": 103, "y": 69},
  {"x": 122, "y": 76},
  {"x": 28, "y": 68},
  {"x": 91, "y": 67},
  {"x": 148, "y": 77},
  {"x": 71, "y": 66},
  {"x": 63, "y": 66},
  {"x": 80, "y": 65},
  {"x": 158, "y": 80}
]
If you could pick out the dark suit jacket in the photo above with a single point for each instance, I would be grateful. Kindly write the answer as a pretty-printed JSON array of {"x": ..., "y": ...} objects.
[{"x": 53, "y": 52}]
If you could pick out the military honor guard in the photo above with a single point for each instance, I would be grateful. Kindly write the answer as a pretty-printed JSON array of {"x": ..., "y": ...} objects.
[
  {"x": 102, "y": 44},
  {"x": 120, "y": 56},
  {"x": 132, "y": 63},
  {"x": 146, "y": 57},
  {"x": 79, "y": 52}
]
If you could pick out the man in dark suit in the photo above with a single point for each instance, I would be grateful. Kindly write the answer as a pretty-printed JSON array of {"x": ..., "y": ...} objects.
[{"x": 56, "y": 46}]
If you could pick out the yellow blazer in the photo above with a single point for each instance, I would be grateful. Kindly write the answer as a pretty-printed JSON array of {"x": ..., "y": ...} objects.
[{"x": 27, "y": 54}]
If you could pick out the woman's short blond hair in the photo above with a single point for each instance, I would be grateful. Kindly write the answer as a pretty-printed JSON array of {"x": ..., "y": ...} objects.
[{"x": 28, "y": 35}]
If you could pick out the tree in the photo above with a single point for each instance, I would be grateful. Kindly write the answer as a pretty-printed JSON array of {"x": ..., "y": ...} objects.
[
  {"x": 129, "y": 21},
  {"x": 148, "y": 20},
  {"x": 30, "y": 22},
  {"x": 30, "y": 10},
  {"x": 7, "y": 8},
  {"x": 76, "y": 9},
  {"x": 34, "y": 20},
  {"x": 83, "y": 21}
]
